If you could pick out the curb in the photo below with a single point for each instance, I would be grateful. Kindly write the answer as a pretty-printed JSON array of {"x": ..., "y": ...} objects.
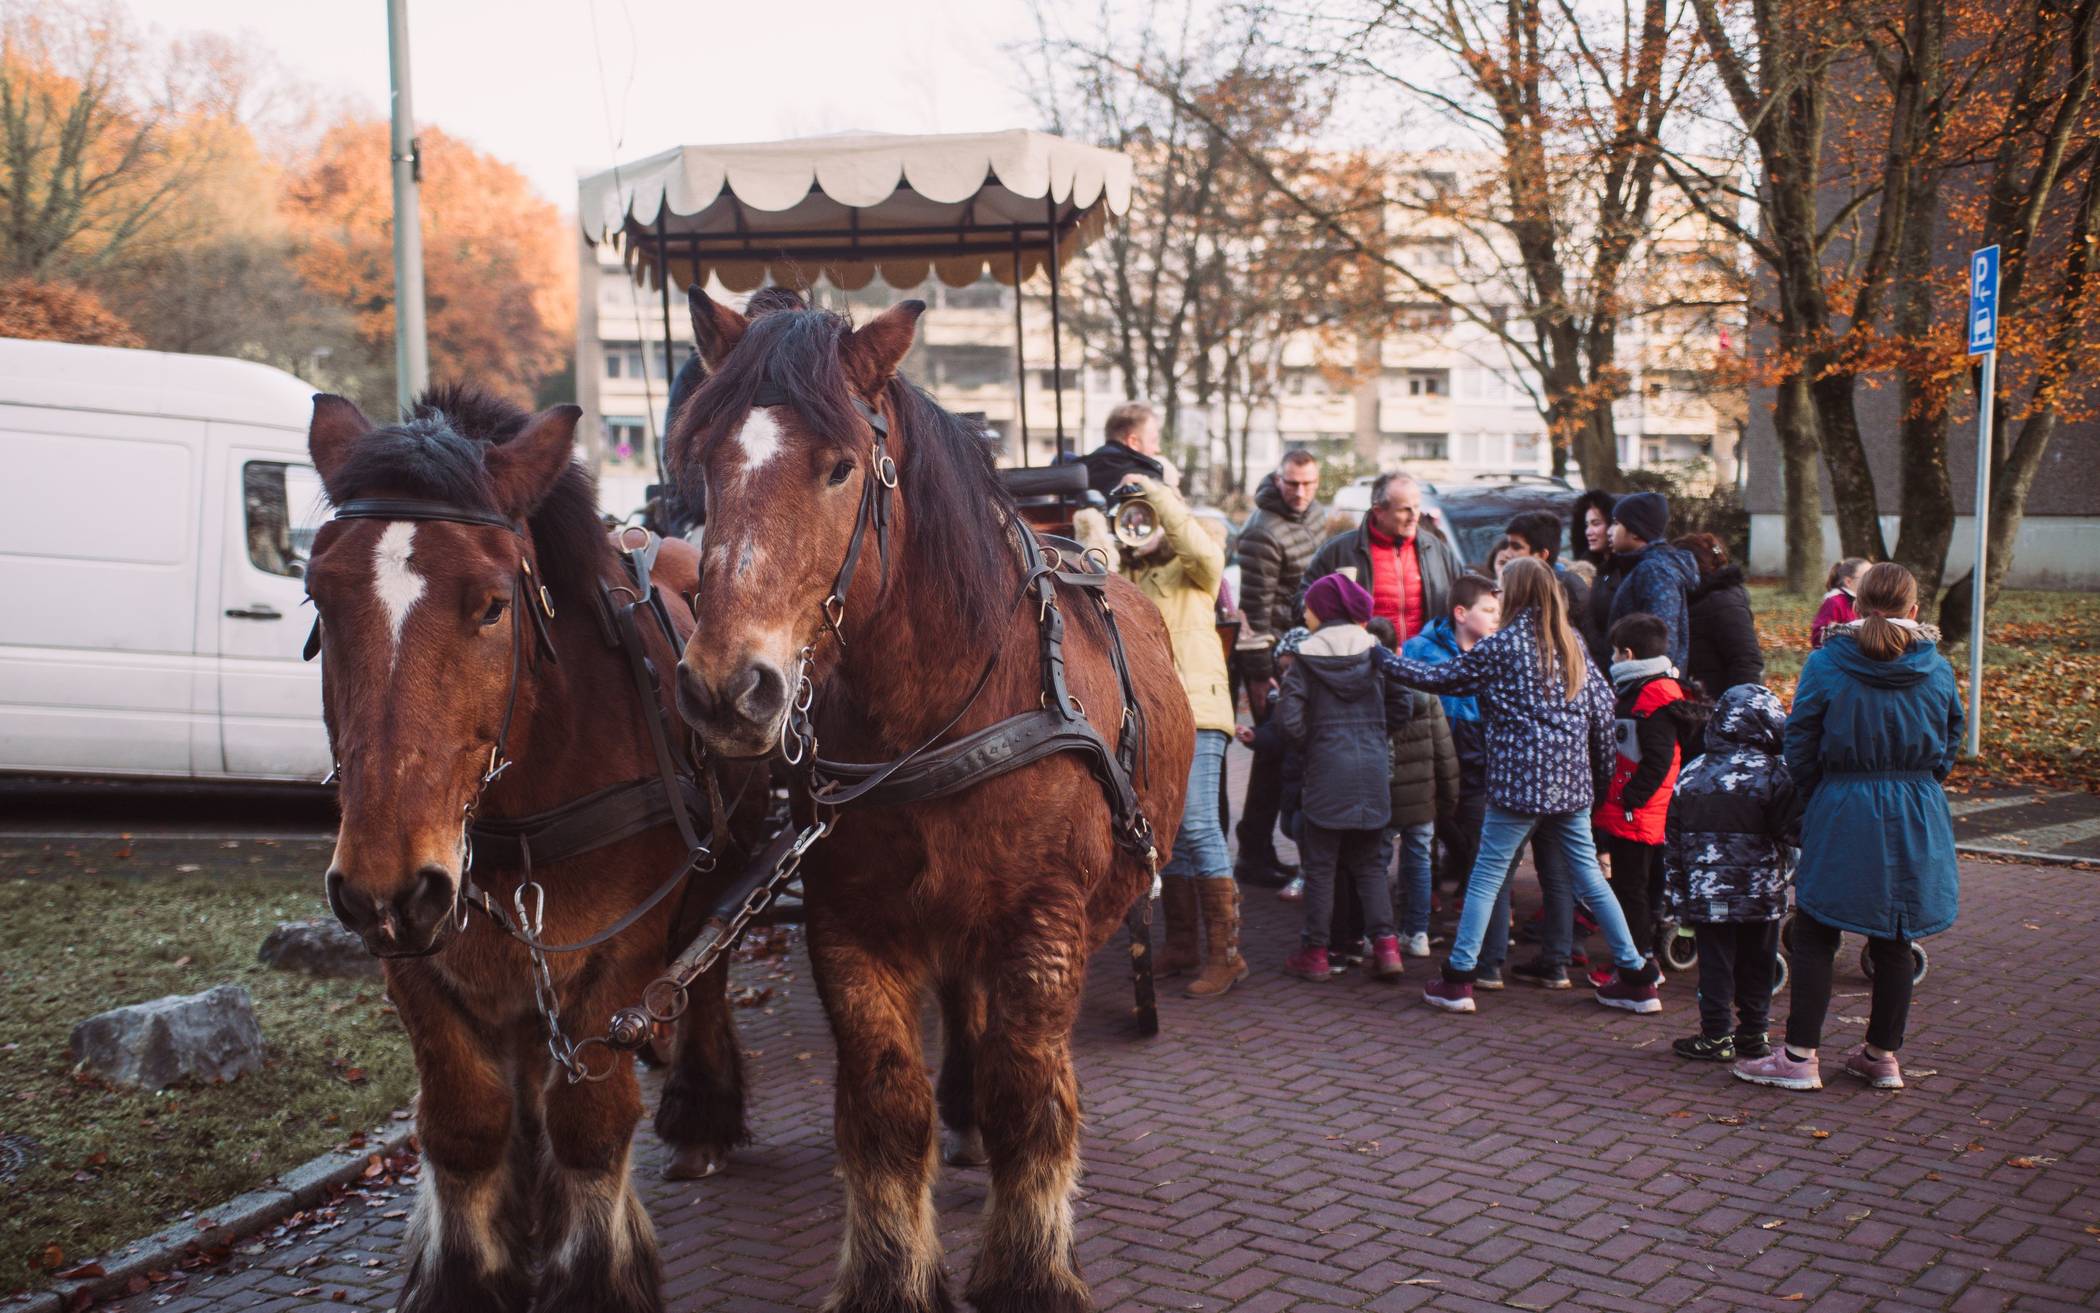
[
  {"x": 2022, "y": 855},
  {"x": 301, "y": 1187}
]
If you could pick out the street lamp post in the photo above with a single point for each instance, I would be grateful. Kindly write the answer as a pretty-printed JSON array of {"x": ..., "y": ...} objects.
[{"x": 411, "y": 350}]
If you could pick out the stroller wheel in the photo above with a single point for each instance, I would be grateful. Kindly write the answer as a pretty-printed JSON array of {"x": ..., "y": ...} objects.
[
  {"x": 1680, "y": 952},
  {"x": 1786, "y": 932},
  {"x": 1919, "y": 963},
  {"x": 1779, "y": 975}
]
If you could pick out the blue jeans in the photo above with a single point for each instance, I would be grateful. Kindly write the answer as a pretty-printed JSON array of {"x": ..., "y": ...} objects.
[
  {"x": 1502, "y": 835},
  {"x": 1415, "y": 843},
  {"x": 1199, "y": 846},
  {"x": 1557, "y": 935}
]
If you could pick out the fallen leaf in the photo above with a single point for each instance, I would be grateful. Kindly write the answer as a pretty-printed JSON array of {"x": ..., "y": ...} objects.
[
  {"x": 1793, "y": 1299},
  {"x": 374, "y": 1166},
  {"x": 306, "y": 1292},
  {"x": 183, "y": 961},
  {"x": 81, "y": 1273},
  {"x": 2027, "y": 1162},
  {"x": 1820, "y": 1135},
  {"x": 50, "y": 1256},
  {"x": 1772, "y": 1225}
]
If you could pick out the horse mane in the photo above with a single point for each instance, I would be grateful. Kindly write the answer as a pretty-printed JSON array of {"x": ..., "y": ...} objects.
[
  {"x": 960, "y": 513},
  {"x": 440, "y": 453}
]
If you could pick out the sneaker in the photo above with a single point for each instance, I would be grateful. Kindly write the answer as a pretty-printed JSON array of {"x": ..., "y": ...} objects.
[
  {"x": 1758, "y": 1045},
  {"x": 1701, "y": 1049},
  {"x": 1416, "y": 945},
  {"x": 1882, "y": 1073},
  {"x": 1352, "y": 956},
  {"x": 1385, "y": 958},
  {"x": 1545, "y": 975},
  {"x": 1293, "y": 889},
  {"x": 1488, "y": 978},
  {"x": 1578, "y": 958},
  {"x": 1448, "y": 995},
  {"x": 1307, "y": 963},
  {"x": 1603, "y": 976},
  {"x": 1778, "y": 1069},
  {"x": 1624, "y": 994}
]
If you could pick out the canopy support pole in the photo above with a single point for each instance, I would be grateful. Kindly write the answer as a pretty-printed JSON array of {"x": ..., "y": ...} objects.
[
  {"x": 1057, "y": 359},
  {"x": 663, "y": 288},
  {"x": 1020, "y": 355}
]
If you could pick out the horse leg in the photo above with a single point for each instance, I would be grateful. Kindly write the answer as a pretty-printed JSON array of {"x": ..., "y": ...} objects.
[
  {"x": 1028, "y": 1105},
  {"x": 701, "y": 1115},
  {"x": 962, "y": 1024},
  {"x": 598, "y": 1239},
  {"x": 467, "y": 1242},
  {"x": 890, "y": 1255}
]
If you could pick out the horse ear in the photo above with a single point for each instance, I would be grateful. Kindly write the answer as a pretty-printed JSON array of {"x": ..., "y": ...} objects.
[
  {"x": 873, "y": 351},
  {"x": 716, "y": 328},
  {"x": 525, "y": 468},
  {"x": 335, "y": 428}
]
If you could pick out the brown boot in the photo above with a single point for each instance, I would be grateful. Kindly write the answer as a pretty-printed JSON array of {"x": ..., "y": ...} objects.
[
  {"x": 1222, "y": 966},
  {"x": 1180, "y": 954}
]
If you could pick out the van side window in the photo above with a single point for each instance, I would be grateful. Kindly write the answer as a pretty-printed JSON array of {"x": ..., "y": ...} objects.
[{"x": 280, "y": 501}]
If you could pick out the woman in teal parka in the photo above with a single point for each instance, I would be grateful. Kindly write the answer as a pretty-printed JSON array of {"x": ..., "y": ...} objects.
[{"x": 1875, "y": 725}]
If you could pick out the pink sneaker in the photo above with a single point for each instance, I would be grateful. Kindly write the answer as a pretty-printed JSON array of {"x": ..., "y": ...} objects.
[
  {"x": 1448, "y": 995},
  {"x": 1882, "y": 1073},
  {"x": 1385, "y": 958},
  {"x": 1779, "y": 1070},
  {"x": 1307, "y": 963}
]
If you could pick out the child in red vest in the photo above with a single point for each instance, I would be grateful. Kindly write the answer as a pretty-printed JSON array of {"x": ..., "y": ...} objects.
[{"x": 1650, "y": 724}]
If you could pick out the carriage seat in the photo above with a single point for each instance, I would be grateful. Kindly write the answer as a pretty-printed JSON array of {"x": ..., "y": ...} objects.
[{"x": 1046, "y": 481}]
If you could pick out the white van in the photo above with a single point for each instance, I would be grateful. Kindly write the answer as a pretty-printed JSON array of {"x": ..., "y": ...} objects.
[{"x": 155, "y": 511}]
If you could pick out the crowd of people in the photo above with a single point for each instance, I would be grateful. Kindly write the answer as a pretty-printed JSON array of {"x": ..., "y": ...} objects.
[{"x": 1606, "y": 708}]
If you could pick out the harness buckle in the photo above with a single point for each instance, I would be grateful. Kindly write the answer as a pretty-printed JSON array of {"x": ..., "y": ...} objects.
[
  {"x": 885, "y": 468},
  {"x": 498, "y": 763},
  {"x": 835, "y": 614}
]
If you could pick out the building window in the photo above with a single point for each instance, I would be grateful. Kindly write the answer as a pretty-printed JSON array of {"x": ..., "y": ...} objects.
[
  {"x": 1416, "y": 315},
  {"x": 1418, "y": 446},
  {"x": 1525, "y": 451},
  {"x": 965, "y": 368},
  {"x": 984, "y": 294},
  {"x": 626, "y": 439}
]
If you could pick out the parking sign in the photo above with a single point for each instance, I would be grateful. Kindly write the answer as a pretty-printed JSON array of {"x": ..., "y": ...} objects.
[{"x": 1983, "y": 301}]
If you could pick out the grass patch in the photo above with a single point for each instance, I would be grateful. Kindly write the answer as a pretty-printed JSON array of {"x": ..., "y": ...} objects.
[
  {"x": 86, "y": 927},
  {"x": 2041, "y": 683}
]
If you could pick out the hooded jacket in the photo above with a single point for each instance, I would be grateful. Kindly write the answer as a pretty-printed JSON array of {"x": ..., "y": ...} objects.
[
  {"x": 1730, "y": 834},
  {"x": 1659, "y": 583},
  {"x": 1547, "y": 755},
  {"x": 1646, "y": 731},
  {"x": 1274, "y": 549},
  {"x": 1869, "y": 744},
  {"x": 1437, "y": 562},
  {"x": 1337, "y": 708},
  {"x": 1425, "y": 766},
  {"x": 1436, "y": 644},
  {"x": 1182, "y": 580},
  {"x": 1724, "y": 650}
]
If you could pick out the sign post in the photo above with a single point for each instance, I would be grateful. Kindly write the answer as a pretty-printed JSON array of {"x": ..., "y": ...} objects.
[
  {"x": 1983, "y": 341},
  {"x": 411, "y": 352}
]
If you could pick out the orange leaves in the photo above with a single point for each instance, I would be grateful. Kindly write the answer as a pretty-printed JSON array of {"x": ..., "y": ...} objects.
[{"x": 55, "y": 312}]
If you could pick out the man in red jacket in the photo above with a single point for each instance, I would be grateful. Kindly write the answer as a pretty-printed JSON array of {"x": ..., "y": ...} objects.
[{"x": 1650, "y": 728}]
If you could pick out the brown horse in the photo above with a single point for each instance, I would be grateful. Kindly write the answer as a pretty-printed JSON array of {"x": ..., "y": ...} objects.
[
  {"x": 437, "y": 665},
  {"x": 992, "y": 898}
]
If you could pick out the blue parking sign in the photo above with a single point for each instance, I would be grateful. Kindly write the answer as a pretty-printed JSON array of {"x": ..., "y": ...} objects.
[{"x": 1983, "y": 301}]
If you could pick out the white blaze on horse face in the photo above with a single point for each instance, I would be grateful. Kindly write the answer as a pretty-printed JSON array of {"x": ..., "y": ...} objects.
[
  {"x": 394, "y": 578},
  {"x": 760, "y": 439}
]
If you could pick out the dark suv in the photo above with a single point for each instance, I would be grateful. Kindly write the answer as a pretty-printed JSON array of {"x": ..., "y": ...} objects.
[{"x": 1473, "y": 515}]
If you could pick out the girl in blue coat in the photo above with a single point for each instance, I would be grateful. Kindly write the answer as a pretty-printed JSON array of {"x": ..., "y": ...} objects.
[{"x": 1873, "y": 733}]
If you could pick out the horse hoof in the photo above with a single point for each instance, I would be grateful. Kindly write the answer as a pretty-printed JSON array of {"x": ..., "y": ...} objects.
[
  {"x": 693, "y": 1164},
  {"x": 963, "y": 1148}
]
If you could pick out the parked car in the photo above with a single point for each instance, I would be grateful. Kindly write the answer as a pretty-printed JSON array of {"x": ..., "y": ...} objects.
[
  {"x": 1472, "y": 515},
  {"x": 154, "y": 527}
]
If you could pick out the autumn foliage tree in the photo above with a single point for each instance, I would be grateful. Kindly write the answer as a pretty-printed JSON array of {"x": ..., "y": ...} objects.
[
  {"x": 55, "y": 312},
  {"x": 499, "y": 278}
]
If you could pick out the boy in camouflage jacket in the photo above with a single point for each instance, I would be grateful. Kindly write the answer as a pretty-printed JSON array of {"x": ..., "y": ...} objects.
[{"x": 1727, "y": 850}]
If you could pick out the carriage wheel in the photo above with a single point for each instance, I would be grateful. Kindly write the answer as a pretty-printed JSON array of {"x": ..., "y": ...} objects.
[{"x": 1680, "y": 951}]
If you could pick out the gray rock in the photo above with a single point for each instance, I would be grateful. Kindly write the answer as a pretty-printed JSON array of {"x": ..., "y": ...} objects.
[
  {"x": 210, "y": 1036},
  {"x": 319, "y": 948}
]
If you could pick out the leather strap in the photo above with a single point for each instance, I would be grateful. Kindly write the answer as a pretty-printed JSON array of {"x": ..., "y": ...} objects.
[
  {"x": 416, "y": 508},
  {"x": 596, "y": 820}
]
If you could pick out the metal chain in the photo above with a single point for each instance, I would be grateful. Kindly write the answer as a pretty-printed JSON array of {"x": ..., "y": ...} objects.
[
  {"x": 798, "y": 736},
  {"x": 531, "y": 925},
  {"x": 664, "y": 1001}
]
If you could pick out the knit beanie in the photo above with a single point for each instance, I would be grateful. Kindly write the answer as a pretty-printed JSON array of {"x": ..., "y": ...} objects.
[
  {"x": 1646, "y": 515},
  {"x": 1338, "y": 597}
]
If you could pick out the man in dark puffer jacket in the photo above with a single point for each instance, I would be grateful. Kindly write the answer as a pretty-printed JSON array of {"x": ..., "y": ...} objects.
[
  {"x": 1279, "y": 540},
  {"x": 1726, "y": 853}
]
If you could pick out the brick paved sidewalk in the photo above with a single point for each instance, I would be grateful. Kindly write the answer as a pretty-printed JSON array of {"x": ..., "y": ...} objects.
[{"x": 1303, "y": 1147}]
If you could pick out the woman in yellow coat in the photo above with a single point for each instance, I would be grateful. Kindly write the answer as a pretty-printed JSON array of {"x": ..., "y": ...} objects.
[{"x": 1180, "y": 569}]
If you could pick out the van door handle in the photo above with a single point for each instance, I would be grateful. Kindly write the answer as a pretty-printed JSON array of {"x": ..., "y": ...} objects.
[{"x": 256, "y": 613}]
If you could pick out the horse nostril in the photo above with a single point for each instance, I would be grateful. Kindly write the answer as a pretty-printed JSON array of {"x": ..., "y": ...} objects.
[
  {"x": 759, "y": 693},
  {"x": 695, "y": 703},
  {"x": 337, "y": 903},
  {"x": 429, "y": 898}
]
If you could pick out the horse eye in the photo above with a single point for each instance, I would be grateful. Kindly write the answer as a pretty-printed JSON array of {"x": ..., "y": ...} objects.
[
  {"x": 841, "y": 472},
  {"x": 494, "y": 612}
]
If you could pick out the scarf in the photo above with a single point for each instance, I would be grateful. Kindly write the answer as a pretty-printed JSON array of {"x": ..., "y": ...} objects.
[{"x": 1625, "y": 674}]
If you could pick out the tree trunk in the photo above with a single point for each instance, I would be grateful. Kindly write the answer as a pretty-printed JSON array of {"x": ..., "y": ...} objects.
[
  {"x": 1795, "y": 420},
  {"x": 2011, "y": 481},
  {"x": 1851, "y": 479}
]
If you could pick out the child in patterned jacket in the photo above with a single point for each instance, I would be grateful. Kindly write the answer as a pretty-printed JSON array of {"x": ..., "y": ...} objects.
[{"x": 1727, "y": 849}]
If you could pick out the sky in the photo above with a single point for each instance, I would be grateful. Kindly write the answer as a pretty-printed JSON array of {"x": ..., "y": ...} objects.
[{"x": 521, "y": 79}]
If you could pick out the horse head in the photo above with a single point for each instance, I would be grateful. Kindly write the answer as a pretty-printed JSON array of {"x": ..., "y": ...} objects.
[
  {"x": 427, "y": 659},
  {"x": 795, "y": 438}
]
